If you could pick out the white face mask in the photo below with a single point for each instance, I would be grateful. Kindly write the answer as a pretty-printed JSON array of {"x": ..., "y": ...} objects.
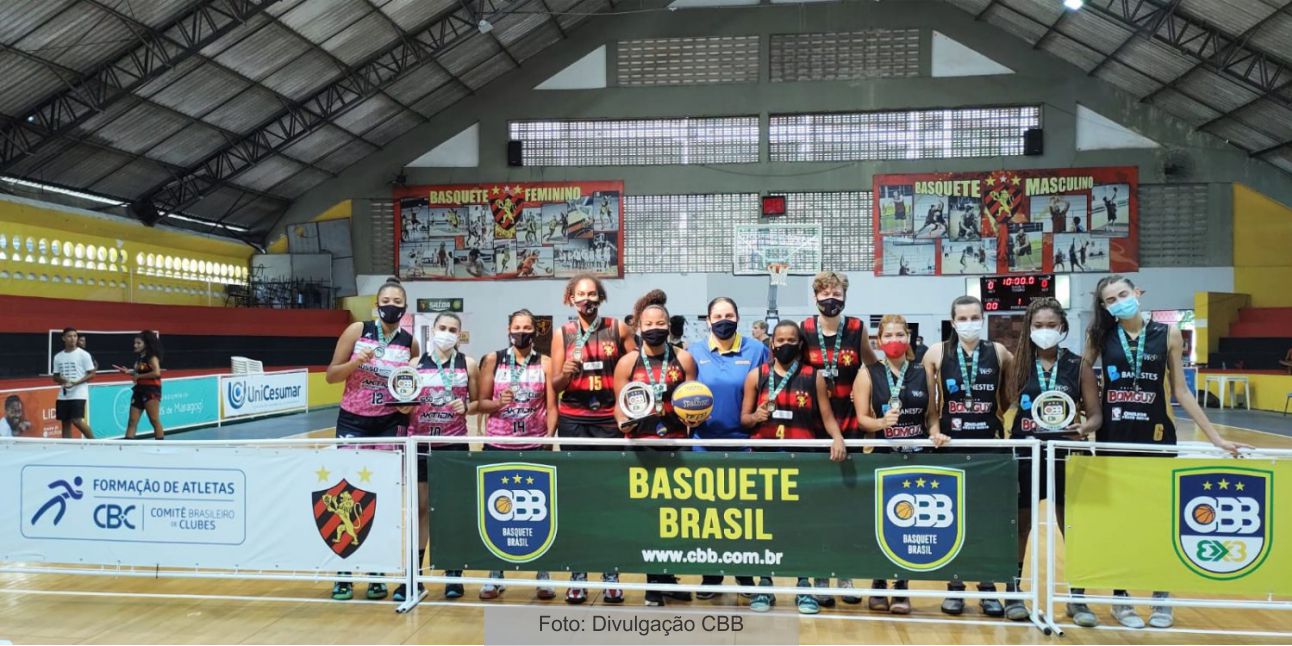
[
  {"x": 1046, "y": 338},
  {"x": 443, "y": 340},
  {"x": 969, "y": 330}
]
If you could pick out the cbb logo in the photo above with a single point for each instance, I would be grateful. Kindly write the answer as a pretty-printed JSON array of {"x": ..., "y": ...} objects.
[
  {"x": 919, "y": 512},
  {"x": 516, "y": 505},
  {"x": 1221, "y": 524}
]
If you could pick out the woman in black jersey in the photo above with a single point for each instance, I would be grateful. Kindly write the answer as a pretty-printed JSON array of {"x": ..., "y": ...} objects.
[
  {"x": 970, "y": 388},
  {"x": 896, "y": 380},
  {"x": 1138, "y": 357},
  {"x": 1040, "y": 365}
]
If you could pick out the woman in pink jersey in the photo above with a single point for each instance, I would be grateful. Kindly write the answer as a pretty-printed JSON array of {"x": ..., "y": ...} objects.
[
  {"x": 449, "y": 391},
  {"x": 520, "y": 402},
  {"x": 365, "y": 354}
]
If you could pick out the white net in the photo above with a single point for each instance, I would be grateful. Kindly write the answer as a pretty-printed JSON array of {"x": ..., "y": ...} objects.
[
  {"x": 756, "y": 247},
  {"x": 779, "y": 273}
]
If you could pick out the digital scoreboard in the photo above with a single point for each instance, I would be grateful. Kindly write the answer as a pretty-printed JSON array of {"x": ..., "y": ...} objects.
[{"x": 1015, "y": 293}]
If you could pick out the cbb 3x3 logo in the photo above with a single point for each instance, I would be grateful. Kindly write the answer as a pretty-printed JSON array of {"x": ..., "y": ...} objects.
[
  {"x": 1221, "y": 520},
  {"x": 516, "y": 509}
]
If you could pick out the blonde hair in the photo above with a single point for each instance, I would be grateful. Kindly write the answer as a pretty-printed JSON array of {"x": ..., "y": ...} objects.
[
  {"x": 827, "y": 279},
  {"x": 897, "y": 319}
]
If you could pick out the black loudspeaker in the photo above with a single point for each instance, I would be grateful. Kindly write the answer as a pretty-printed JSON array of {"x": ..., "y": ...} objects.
[
  {"x": 144, "y": 212},
  {"x": 1033, "y": 142},
  {"x": 515, "y": 153}
]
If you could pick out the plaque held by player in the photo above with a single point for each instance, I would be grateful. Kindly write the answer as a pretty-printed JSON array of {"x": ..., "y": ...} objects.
[
  {"x": 637, "y": 401},
  {"x": 404, "y": 384},
  {"x": 1053, "y": 411}
]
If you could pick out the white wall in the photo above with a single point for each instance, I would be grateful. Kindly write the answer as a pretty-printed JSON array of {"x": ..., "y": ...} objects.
[{"x": 922, "y": 300}]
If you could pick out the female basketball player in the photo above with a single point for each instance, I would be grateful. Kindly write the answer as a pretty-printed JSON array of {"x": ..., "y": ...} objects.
[
  {"x": 892, "y": 401},
  {"x": 662, "y": 367},
  {"x": 1040, "y": 365},
  {"x": 788, "y": 399},
  {"x": 450, "y": 388},
  {"x": 722, "y": 365},
  {"x": 1138, "y": 357},
  {"x": 146, "y": 394},
  {"x": 837, "y": 347},
  {"x": 365, "y": 354},
  {"x": 584, "y": 353},
  {"x": 970, "y": 388},
  {"x": 521, "y": 403}
]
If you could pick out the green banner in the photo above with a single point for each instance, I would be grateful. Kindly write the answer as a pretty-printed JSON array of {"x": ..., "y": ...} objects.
[{"x": 931, "y": 516}]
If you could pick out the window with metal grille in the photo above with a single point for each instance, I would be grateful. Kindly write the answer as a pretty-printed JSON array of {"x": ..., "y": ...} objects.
[
  {"x": 637, "y": 142},
  {"x": 901, "y": 134},
  {"x": 871, "y": 53},
  {"x": 382, "y": 215},
  {"x": 684, "y": 233},
  {"x": 1174, "y": 227},
  {"x": 687, "y": 61},
  {"x": 847, "y": 241}
]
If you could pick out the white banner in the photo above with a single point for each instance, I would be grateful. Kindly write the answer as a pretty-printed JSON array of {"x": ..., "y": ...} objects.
[
  {"x": 272, "y": 508},
  {"x": 261, "y": 393}
]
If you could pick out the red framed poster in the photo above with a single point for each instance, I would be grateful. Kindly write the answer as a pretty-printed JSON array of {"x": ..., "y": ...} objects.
[
  {"x": 1007, "y": 221},
  {"x": 505, "y": 230}
]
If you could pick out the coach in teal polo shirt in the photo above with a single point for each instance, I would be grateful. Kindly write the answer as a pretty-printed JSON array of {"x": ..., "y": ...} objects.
[{"x": 722, "y": 366}]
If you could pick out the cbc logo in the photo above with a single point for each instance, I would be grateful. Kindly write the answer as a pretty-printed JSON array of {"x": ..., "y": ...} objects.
[
  {"x": 529, "y": 505},
  {"x": 113, "y": 516},
  {"x": 1223, "y": 515},
  {"x": 920, "y": 510}
]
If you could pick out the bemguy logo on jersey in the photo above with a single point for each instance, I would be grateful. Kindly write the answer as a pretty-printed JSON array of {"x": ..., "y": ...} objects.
[
  {"x": 516, "y": 509},
  {"x": 1223, "y": 519},
  {"x": 920, "y": 515}
]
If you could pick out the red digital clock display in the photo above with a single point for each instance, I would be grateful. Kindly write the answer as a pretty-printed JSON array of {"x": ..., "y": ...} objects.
[{"x": 1015, "y": 293}]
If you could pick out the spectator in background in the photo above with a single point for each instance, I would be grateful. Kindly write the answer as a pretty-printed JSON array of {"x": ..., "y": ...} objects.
[
  {"x": 920, "y": 349},
  {"x": 81, "y": 343},
  {"x": 73, "y": 367},
  {"x": 1287, "y": 361},
  {"x": 13, "y": 424},
  {"x": 677, "y": 331},
  {"x": 760, "y": 333}
]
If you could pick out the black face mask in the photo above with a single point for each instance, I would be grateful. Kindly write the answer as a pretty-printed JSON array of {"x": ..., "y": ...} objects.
[
  {"x": 786, "y": 353},
  {"x": 655, "y": 336},
  {"x": 390, "y": 313},
  {"x": 587, "y": 306},
  {"x": 724, "y": 329},
  {"x": 830, "y": 306},
  {"x": 522, "y": 339}
]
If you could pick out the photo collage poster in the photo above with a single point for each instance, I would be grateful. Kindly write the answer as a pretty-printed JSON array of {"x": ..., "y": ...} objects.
[
  {"x": 504, "y": 230},
  {"x": 1064, "y": 220}
]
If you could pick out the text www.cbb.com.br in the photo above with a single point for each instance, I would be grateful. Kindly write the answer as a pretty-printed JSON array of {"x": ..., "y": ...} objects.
[{"x": 704, "y": 555}]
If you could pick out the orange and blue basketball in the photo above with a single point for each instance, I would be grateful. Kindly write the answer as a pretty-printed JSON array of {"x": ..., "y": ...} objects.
[{"x": 692, "y": 402}]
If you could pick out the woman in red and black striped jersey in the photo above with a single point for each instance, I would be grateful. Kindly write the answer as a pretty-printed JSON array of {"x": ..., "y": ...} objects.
[
  {"x": 788, "y": 400},
  {"x": 584, "y": 354}
]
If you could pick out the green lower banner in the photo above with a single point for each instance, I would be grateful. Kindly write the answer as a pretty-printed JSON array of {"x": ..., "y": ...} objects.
[{"x": 931, "y": 516}]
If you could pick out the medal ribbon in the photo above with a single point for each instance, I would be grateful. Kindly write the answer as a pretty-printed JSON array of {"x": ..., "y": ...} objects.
[
  {"x": 1050, "y": 381},
  {"x": 650, "y": 377},
  {"x": 514, "y": 370},
  {"x": 1136, "y": 360},
  {"x": 895, "y": 385},
  {"x": 446, "y": 377},
  {"x": 970, "y": 376},
  {"x": 382, "y": 341},
  {"x": 773, "y": 390},
  {"x": 583, "y": 337},
  {"x": 828, "y": 361}
]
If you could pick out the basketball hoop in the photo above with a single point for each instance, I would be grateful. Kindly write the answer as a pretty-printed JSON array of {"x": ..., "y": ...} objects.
[{"x": 779, "y": 273}]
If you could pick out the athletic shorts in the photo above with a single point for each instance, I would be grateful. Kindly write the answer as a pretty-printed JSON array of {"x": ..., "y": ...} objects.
[
  {"x": 1025, "y": 479},
  {"x": 66, "y": 410},
  {"x": 421, "y": 457},
  {"x": 141, "y": 395},
  {"x": 350, "y": 425},
  {"x": 566, "y": 427}
]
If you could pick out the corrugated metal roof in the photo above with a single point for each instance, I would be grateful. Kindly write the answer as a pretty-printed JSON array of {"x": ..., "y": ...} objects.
[
  {"x": 1191, "y": 111},
  {"x": 367, "y": 114},
  {"x": 440, "y": 98},
  {"x": 1014, "y": 23},
  {"x": 1161, "y": 62},
  {"x": 417, "y": 83},
  {"x": 385, "y": 131},
  {"x": 264, "y": 51},
  {"x": 79, "y": 38},
  {"x": 356, "y": 43},
  {"x": 318, "y": 20},
  {"x": 1072, "y": 51},
  {"x": 81, "y": 166},
  {"x": 544, "y": 36},
  {"x": 1219, "y": 92},
  {"x": 1133, "y": 80},
  {"x": 411, "y": 14},
  {"x": 188, "y": 146},
  {"x": 1094, "y": 30},
  {"x": 345, "y": 156},
  {"x": 19, "y": 17},
  {"x": 1269, "y": 117},
  {"x": 272, "y": 170},
  {"x": 140, "y": 128},
  {"x": 1242, "y": 135},
  {"x": 305, "y": 76},
  {"x": 153, "y": 13},
  {"x": 129, "y": 180},
  {"x": 26, "y": 81},
  {"x": 471, "y": 52},
  {"x": 294, "y": 186},
  {"x": 202, "y": 90},
  {"x": 245, "y": 111},
  {"x": 1043, "y": 10},
  {"x": 480, "y": 75},
  {"x": 1275, "y": 36},
  {"x": 1230, "y": 15},
  {"x": 318, "y": 143}
]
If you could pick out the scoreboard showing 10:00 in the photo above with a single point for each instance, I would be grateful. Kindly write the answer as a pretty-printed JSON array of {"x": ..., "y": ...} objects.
[{"x": 1015, "y": 293}]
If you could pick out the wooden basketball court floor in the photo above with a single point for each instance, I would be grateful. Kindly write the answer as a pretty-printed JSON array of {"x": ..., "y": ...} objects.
[{"x": 83, "y": 609}]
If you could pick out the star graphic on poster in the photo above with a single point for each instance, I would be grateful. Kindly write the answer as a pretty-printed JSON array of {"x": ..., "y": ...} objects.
[
  {"x": 323, "y": 474},
  {"x": 1239, "y": 486},
  {"x": 365, "y": 475},
  {"x": 516, "y": 190},
  {"x": 495, "y": 190},
  {"x": 1224, "y": 484},
  {"x": 506, "y": 189},
  {"x": 1206, "y": 486},
  {"x": 991, "y": 180},
  {"x": 919, "y": 483},
  {"x": 504, "y": 480},
  {"x": 1014, "y": 180},
  {"x": 529, "y": 480},
  {"x": 906, "y": 484},
  {"x": 515, "y": 479}
]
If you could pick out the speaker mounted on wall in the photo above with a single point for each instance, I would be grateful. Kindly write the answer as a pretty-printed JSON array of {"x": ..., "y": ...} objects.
[
  {"x": 1033, "y": 142},
  {"x": 515, "y": 153}
]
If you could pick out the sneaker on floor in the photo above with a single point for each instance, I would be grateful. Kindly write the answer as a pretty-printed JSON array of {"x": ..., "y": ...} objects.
[
  {"x": 545, "y": 592},
  {"x": 762, "y": 602},
  {"x": 454, "y": 591},
  {"x": 807, "y": 604},
  {"x": 992, "y": 607},
  {"x": 953, "y": 606},
  {"x": 376, "y": 591},
  {"x": 611, "y": 595},
  {"x": 577, "y": 595},
  {"x": 849, "y": 598},
  {"x": 401, "y": 593},
  {"x": 1125, "y": 615},
  {"x": 705, "y": 596},
  {"x": 1016, "y": 610},
  {"x": 824, "y": 600},
  {"x": 342, "y": 591},
  {"x": 1082, "y": 615},
  {"x": 900, "y": 606},
  {"x": 491, "y": 591},
  {"x": 1161, "y": 617},
  {"x": 654, "y": 598},
  {"x": 878, "y": 604}
]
